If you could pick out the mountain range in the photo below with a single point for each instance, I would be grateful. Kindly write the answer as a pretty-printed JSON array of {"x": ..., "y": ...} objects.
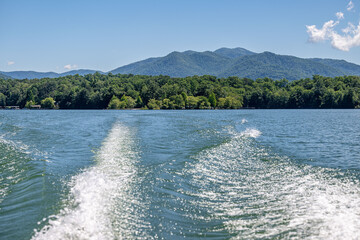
[
  {"x": 33, "y": 74},
  {"x": 223, "y": 62}
]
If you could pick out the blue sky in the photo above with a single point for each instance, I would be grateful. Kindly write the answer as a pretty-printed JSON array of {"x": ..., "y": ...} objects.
[{"x": 103, "y": 35}]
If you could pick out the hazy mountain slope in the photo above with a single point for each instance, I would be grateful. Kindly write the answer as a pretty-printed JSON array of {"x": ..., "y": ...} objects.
[
  {"x": 342, "y": 65},
  {"x": 277, "y": 67},
  {"x": 33, "y": 74},
  {"x": 81, "y": 72},
  {"x": 4, "y": 76}
]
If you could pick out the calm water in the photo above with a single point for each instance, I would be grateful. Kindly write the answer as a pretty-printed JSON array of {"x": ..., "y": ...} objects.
[{"x": 242, "y": 174}]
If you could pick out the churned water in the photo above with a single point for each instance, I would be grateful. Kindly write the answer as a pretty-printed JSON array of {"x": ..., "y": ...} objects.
[{"x": 241, "y": 174}]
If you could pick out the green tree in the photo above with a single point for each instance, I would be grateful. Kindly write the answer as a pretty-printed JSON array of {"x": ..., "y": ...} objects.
[
  {"x": 139, "y": 102},
  {"x": 2, "y": 100},
  {"x": 153, "y": 104},
  {"x": 48, "y": 103},
  {"x": 221, "y": 103},
  {"x": 114, "y": 103},
  {"x": 29, "y": 104},
  {"x": 212, "y": 100},
  {"x": 192, "y": 102},
  {"x": 185, "y": 97},
  {"x": 130, "y": 102},
  {"x": 165, "y": 104},
  {"x": 203, "y": 103}
]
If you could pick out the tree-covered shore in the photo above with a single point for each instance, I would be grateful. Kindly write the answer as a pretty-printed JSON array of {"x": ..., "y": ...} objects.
[{"x": 122, "y": 91}]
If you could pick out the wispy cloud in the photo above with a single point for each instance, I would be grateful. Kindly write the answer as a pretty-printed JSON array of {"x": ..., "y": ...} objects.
[
  {"x": 69, "y": 66},
  {"x": 350, "y": 29},
  {"x": 9, "y": 63},
  {"x": 349, "y": 38},
  {"x": 350, "y": 6},
  {"x": 339, "y": 15}
]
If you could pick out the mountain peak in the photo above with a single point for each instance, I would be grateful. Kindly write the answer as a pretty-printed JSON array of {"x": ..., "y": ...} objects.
[{"x": 233, "y": 52}]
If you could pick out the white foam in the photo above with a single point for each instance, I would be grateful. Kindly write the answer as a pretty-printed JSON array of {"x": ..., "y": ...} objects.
[
  {"x": 243, "y": 121},
  {"x": 257, "y": 194},
  {"x": 251, "y": 132},
  {"x": 93, "y": 210}
]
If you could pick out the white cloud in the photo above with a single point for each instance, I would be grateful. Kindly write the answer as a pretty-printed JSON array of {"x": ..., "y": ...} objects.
[
  {"x": 69, "y": 66},
  {"x": 339, "y": 15},
  {"x": 351, "y": 37},
  {"x": 9, "y": 63},
  {"x": 350, "y": 6},
  {"x": 348, "y": 38},
  {"x": 350, "y": 29},
  {"x": 317, "y": 35}
]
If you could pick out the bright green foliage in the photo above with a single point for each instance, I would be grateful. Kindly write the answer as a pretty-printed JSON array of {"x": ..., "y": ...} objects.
[
  {"x": 2, "y": 100},
  {"x": 130, "y": 102},
  {"x": 153, "y": 104},
  {"x": 185, "y": 97},
  {"x": 99, "y": 91},
  {"x": 48, "y": 103},
  {"x": 139, "y": 103},
  {"x": 165, "y": 104},
  {"x": 122, "y": 105},
  {"x": 177, "y": 102},
  {"x": 114, "y": 103},
  {"x": 29, "y": 103},
  {"x": 124, "y": 99},
  {"x": 212, "y": 100},
  {"x": 229, "y": 103},
  {"x": 203, "y": 103},
  {"x": 192, "y": 102}
]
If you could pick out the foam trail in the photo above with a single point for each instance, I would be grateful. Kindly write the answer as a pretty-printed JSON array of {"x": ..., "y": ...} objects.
[
  {"x": 101, "y": 203},
  {"x": 257, "y": 194},
  {"x": 250, "y": 132}
]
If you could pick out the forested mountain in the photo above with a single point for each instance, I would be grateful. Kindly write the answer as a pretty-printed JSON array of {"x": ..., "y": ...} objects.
[
  {"x": 224, "y": 62},
  {"x": 342, "y": 65},
  {"x": 278, "y": 67},
  {"x": 179, "y": 64}
]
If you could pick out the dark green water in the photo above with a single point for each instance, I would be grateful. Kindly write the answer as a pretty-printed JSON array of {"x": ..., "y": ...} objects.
[{"x": 244, "y": 174}]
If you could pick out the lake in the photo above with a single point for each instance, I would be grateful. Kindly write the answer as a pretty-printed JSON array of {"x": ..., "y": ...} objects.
[{"x": 221, "y": 174}]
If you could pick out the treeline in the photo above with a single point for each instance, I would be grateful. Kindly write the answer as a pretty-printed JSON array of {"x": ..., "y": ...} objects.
[{"x": 108, "y": 91}]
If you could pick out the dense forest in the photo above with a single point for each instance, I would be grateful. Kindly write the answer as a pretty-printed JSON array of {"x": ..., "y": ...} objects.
[{"x": 120, "y": 91}]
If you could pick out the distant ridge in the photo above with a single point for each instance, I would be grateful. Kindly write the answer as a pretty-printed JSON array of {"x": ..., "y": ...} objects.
[
  {"x": 33, "y": 74},
  {"x": 223, "y": 62},
  {"x": 3, "y": 76}
]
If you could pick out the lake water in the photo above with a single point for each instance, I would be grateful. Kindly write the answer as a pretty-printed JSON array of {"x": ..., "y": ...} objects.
[{"x": 239, "y": 174}]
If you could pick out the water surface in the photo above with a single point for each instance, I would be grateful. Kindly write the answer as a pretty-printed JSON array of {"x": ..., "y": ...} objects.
[{"x": 239, "y": 174}]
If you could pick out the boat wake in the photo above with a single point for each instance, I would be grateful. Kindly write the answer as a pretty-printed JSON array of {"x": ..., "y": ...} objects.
[
  {"x": 101, "y": 202},
  {"x": 255, "y": 193}
]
